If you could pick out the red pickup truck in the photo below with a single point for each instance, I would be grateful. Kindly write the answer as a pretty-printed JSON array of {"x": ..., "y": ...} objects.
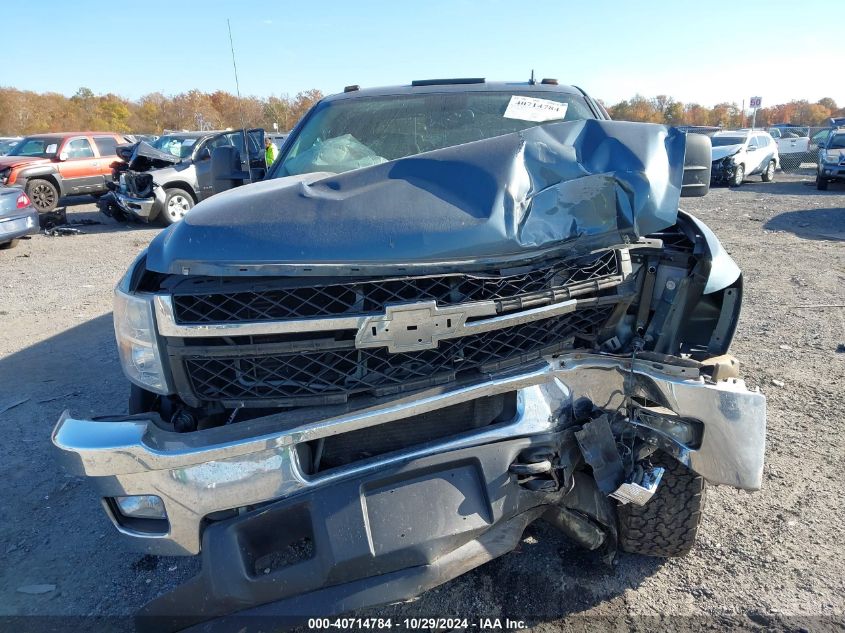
[{"x": 49, "y": 166}]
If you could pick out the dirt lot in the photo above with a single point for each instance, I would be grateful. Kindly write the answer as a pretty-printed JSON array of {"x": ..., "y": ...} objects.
[{"x": 761, "y": 558}]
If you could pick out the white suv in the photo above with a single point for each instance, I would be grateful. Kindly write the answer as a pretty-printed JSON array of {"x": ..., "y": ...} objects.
[{"x": 742, "y": 153}]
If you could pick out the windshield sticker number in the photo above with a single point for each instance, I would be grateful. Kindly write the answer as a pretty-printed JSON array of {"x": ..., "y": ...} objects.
[
  {"x": 533, "y": 109},
  {"x": 51, "y": 148}
]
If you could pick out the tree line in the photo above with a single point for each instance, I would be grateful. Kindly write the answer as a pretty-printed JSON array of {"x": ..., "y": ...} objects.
[
  {"x": 664, "y": 109},
  {"x": 25, "y": 112}
]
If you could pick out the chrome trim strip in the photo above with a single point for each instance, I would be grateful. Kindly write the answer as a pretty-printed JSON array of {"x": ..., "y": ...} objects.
[
  {"x": 167, "y": 326},
  {"x": 416, "y": 315},
  {"x": 518, "y": 318},
  {"x": 418, "y": 326}
]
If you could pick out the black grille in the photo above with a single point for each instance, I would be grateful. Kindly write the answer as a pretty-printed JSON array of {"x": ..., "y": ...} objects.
[
  {"x": 347, "y": 370},
  {"x": 364, "y": 297}
]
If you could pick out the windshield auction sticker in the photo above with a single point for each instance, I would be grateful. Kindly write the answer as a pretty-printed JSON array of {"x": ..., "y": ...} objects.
[{"x": 533, "y": 109}]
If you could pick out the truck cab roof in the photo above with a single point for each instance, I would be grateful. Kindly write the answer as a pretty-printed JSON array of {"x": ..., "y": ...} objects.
[{"x": 455, "y": 85}]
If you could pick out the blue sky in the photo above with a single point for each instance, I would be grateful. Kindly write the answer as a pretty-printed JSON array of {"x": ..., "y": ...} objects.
[{"x": 705, "y": 52}]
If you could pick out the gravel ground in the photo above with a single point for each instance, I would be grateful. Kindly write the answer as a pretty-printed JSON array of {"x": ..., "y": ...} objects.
[{"x": 769, "y": 560}]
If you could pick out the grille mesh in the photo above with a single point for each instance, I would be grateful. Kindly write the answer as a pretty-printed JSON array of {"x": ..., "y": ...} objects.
[
  {"x": 348, "y": 370},
  {"x": 371, "y": 296}
]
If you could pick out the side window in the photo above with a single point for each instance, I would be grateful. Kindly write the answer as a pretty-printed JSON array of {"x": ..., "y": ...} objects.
[
  {"x": 106, "y": 145},
  {"x": 752, "y": 143},
  {"x": 775, "y": 133},
  {"x": 79, "y": 148},
  {"x": 219, "y": 141},
  {"x": 236, "y": 139}
]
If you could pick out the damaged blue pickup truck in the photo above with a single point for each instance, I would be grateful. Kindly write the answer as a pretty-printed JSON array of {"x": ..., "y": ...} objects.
[{"x": 451, "y": 309}]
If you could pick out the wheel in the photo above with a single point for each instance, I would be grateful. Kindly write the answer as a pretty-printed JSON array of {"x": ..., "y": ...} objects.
[
  {"x": 821, "y": 183},
  {"x": 177, "y": 203},
  {"x": 668, "y": 524},
  {"x": 43, "y": 193},
  {"x": 7, "y": 245},
  {"x": 739, "y": 176},
  {"x": 769, "y": 172}
]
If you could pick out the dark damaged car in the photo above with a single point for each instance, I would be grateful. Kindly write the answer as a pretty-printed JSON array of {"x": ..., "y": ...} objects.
[
  {"x": 452, "y": 309},
  {"x": 164, "y": 179}
]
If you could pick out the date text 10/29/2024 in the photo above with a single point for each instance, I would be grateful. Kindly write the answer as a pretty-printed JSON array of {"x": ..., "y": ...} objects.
[{"x": 417, "y": 624}]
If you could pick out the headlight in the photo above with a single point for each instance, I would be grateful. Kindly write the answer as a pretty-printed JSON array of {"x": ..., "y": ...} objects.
[
  {"x": 832, "y": 157},
  {"x": 134, "y": 328}
]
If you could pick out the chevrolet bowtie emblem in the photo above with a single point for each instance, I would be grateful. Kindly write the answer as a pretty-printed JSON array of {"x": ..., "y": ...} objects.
[{"x": 418, "y": 326}]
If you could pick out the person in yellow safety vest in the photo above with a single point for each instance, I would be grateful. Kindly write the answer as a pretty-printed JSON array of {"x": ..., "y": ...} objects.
[{"x": 269, "y": 151}]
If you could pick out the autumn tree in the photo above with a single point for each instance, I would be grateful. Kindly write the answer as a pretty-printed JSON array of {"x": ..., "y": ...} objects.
[{"x": 26, "y": 112}]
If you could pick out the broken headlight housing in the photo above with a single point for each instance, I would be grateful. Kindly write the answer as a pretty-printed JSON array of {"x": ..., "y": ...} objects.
[{"x": 134, "y": 328}]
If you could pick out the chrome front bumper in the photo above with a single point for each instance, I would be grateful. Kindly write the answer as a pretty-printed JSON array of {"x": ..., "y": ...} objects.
[
  {"x": 141, "y": 208},
  {"x": 196, "y": 474}
]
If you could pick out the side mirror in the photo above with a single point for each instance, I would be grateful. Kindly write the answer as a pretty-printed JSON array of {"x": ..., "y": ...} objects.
[
  {"x": 63, "y": 156},
  {"x": 226, "y": 170},
  {"x": 204, "y": 154}
]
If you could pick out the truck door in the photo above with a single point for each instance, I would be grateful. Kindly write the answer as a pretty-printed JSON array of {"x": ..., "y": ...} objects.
[
  {"x": 79, "y": 167},
  {"x": 793, "y": 140},
  {"x": 202, "y": 168},
  {"x": 254, "y": 150},
  {"x": 107, "y": 149},
  {"x": 257, "y": 157}
]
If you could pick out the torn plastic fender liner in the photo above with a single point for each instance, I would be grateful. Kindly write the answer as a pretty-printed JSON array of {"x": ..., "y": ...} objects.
[{"x": 576, "y": 185}]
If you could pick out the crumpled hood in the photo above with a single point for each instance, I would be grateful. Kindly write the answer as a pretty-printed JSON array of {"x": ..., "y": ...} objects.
[
  {"x": 142, "y": 156},
  {"x": 579, "y": 185},
  {"x": 15, "y": 161},
  {"x": 725, "y": 150}
]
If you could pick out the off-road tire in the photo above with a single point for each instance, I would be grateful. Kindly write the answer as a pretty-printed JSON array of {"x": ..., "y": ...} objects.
[
  {"x": 176, "y": 204},
  {"x": 10, "y": 244},
  {"x": 738, "y": 177},
  {"x": 43, "y": 194},
  {"x": 668, "y": 524},
  {"x": 821, "y": 183},
  {"x": 768, "y": 174}
]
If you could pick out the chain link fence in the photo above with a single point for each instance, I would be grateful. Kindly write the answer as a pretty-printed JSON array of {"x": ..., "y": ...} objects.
[{"x": 798, "y": 146}]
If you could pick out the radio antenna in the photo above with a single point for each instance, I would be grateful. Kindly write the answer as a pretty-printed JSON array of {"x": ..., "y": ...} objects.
[{"x": 240, "y": 104}]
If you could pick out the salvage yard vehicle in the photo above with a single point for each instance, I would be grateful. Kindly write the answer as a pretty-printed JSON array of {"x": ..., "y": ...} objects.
[
  {"x": 742, "y": 153},
  {"x": 17, "y": 217},
  {"x": 49, "y": 166},
  {"x": 793, "y": 143},
  {"x": 451, "y": 309},
  {"x": 831, "y": 165},
  {"x": 166, "y": 178},
  {"x": 7, "y": 144}
]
